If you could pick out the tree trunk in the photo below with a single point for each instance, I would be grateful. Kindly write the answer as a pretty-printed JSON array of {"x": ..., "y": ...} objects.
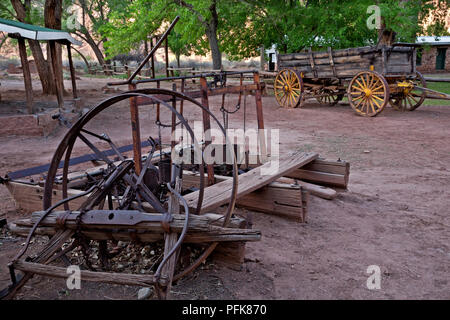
[
  {"x": 215, "y": 51},
  {"x": 82, "y": 57},
  {"x": 52, "y": 17},
  {"x": 211, "y": 33},
  {"x": 42, "y": 66},
  {"x": 91, "y": 42}
]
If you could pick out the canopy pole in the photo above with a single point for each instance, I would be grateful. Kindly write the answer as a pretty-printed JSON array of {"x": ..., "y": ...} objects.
[
  {"x": 72, "y": 72},
  {"x": 26, "y": 74},
  {"x": 55, "y": 69}
]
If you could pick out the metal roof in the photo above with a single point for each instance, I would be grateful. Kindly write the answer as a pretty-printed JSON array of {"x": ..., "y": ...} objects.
[
  {"x": 33, "y": 32},
  {"x": 434, "y": 40}
]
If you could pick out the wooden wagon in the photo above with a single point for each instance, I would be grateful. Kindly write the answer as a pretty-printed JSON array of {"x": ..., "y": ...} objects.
[{"x": 371, "y": 77}]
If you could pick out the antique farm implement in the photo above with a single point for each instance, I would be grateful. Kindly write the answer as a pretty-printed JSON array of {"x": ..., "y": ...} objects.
[
  {"x": 158, "y": 192},
  {"x": 370, "y": 77}
]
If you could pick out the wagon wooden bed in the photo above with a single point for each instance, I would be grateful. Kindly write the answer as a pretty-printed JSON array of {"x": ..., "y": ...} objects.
[{"x": 371, "y": 77}]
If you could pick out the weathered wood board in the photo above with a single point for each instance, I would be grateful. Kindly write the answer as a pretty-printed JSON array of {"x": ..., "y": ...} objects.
[
  {"x": 348, "y": 62},
  {"x": 220, "y": 193}
]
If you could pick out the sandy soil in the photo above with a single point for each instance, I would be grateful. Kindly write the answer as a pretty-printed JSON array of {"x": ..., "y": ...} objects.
[{"x": 395, "y": 213}]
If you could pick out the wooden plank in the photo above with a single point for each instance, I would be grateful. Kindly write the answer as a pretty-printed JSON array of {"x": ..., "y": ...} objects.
[
  {"x": 26, "y": 74},
  {"x": 328, "y": 166},
  {"x": 196, "y": 224},
  {"x": 220, "y": 193},
  {"x": 72, "y": 72},
  {"x": 29, "y": 197},
  {"x": 231, "y": 254},
  {"x": 22, "y": 228},
  {"x": 285, "y": 202},
  {"x": 319, "y": 191},
  {"x": 170, "y": 239},
  {"x": 311, "y": 61},
  {"x": 323, "y": 172},
  {"x": 95, "y": 276},
  {"x": 322, "y": 178}
]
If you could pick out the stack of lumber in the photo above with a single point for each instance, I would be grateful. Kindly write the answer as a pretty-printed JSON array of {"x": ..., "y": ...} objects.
[{"x": 284, "y": 193}]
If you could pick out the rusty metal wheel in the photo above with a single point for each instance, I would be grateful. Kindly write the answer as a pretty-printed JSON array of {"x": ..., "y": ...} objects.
[
  {"x": 288, "y": 88},
  {"x": 368, "y": 93},
  {"x": 409, "y": 99},
  {"x": 84, "y": 128}
]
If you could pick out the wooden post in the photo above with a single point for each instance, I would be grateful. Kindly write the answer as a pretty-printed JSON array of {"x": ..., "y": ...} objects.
[
  {"x": 26, "y": 74},
  {"x": 55, "y": 70},
  {"x": 206, "y": 126},
  {"x": 136, "y": 132},
  {"x": 260, "y": 119},
  {"x": 166, "y": 47},
  {"x": 170, "y": 241},
  {"x": 174, "y": 118},
  {"x": 72, "y": 72},
  {"x": 153, "y": 58}
]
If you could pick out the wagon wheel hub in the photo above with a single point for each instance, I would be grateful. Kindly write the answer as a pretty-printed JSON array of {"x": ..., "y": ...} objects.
[
  {"x": 286, "y": 88},
  {"x": 368, "y": 92}
]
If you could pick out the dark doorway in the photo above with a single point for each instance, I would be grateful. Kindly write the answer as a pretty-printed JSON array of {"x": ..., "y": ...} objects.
[
  {"x": 419, "y": 56},
  {"x": 440, "y": 58},
  {"x": 271, "y": 63}
]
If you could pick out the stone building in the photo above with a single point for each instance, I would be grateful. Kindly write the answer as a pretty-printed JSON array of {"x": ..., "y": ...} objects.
[{"x": 434, "y": 56}]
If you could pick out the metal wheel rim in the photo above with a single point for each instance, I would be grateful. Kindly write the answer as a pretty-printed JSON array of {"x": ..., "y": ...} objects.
[{"x": 69, "y": 139}]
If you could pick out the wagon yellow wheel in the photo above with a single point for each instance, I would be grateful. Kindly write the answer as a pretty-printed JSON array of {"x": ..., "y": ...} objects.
[
  {"x": 288, "y": 88},
  {"x": 328, "y": 96},
  {"x": 368, "y": 93},
  {"x": 410, "y": 98}
]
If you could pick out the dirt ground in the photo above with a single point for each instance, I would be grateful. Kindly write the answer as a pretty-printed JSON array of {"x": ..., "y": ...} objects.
[{"x": 395, "y": 213}]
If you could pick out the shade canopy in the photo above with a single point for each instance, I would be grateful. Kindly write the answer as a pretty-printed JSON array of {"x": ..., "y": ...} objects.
[{"x": 33, "y": 32}]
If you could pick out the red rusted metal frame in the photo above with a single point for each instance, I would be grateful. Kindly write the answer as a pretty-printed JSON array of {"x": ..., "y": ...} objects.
[
  {"x": 206, "y": 126},
  {"x": 260, "y": 119},
  {"x": 135, "y": 131}
]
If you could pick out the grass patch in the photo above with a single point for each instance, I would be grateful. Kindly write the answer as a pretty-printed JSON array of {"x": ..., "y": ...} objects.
[{"x": 443, "y": 87}]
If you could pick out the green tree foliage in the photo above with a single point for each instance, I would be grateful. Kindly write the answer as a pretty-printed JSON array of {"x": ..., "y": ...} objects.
[{"x": 295, "y": 25}]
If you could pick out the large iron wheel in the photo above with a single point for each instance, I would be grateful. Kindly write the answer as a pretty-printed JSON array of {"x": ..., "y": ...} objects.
[{"x": 79, "y": 132}]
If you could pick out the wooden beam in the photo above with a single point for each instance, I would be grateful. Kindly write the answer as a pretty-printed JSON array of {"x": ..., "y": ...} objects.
[
  {"x": 29, "y": 197},
  {"x": 26, "y": 74},
  {"x": 135, "y": 131},
  {"x": 56, "y": 70},
  {"x": 166, "y": 49},
  {"x": 201, "y": 228},
  {"x": 22, "y": 228},
  {"x": 72, "y": 72},
  {"x": 259, "y": 115},
  {"x": 95, "y": 276},
  {"x": 206, "y": 126},
  {"x": 275, "y": 198},
  {"x": 170, "y": 239},
  {"x": 219, "y": 194}
]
